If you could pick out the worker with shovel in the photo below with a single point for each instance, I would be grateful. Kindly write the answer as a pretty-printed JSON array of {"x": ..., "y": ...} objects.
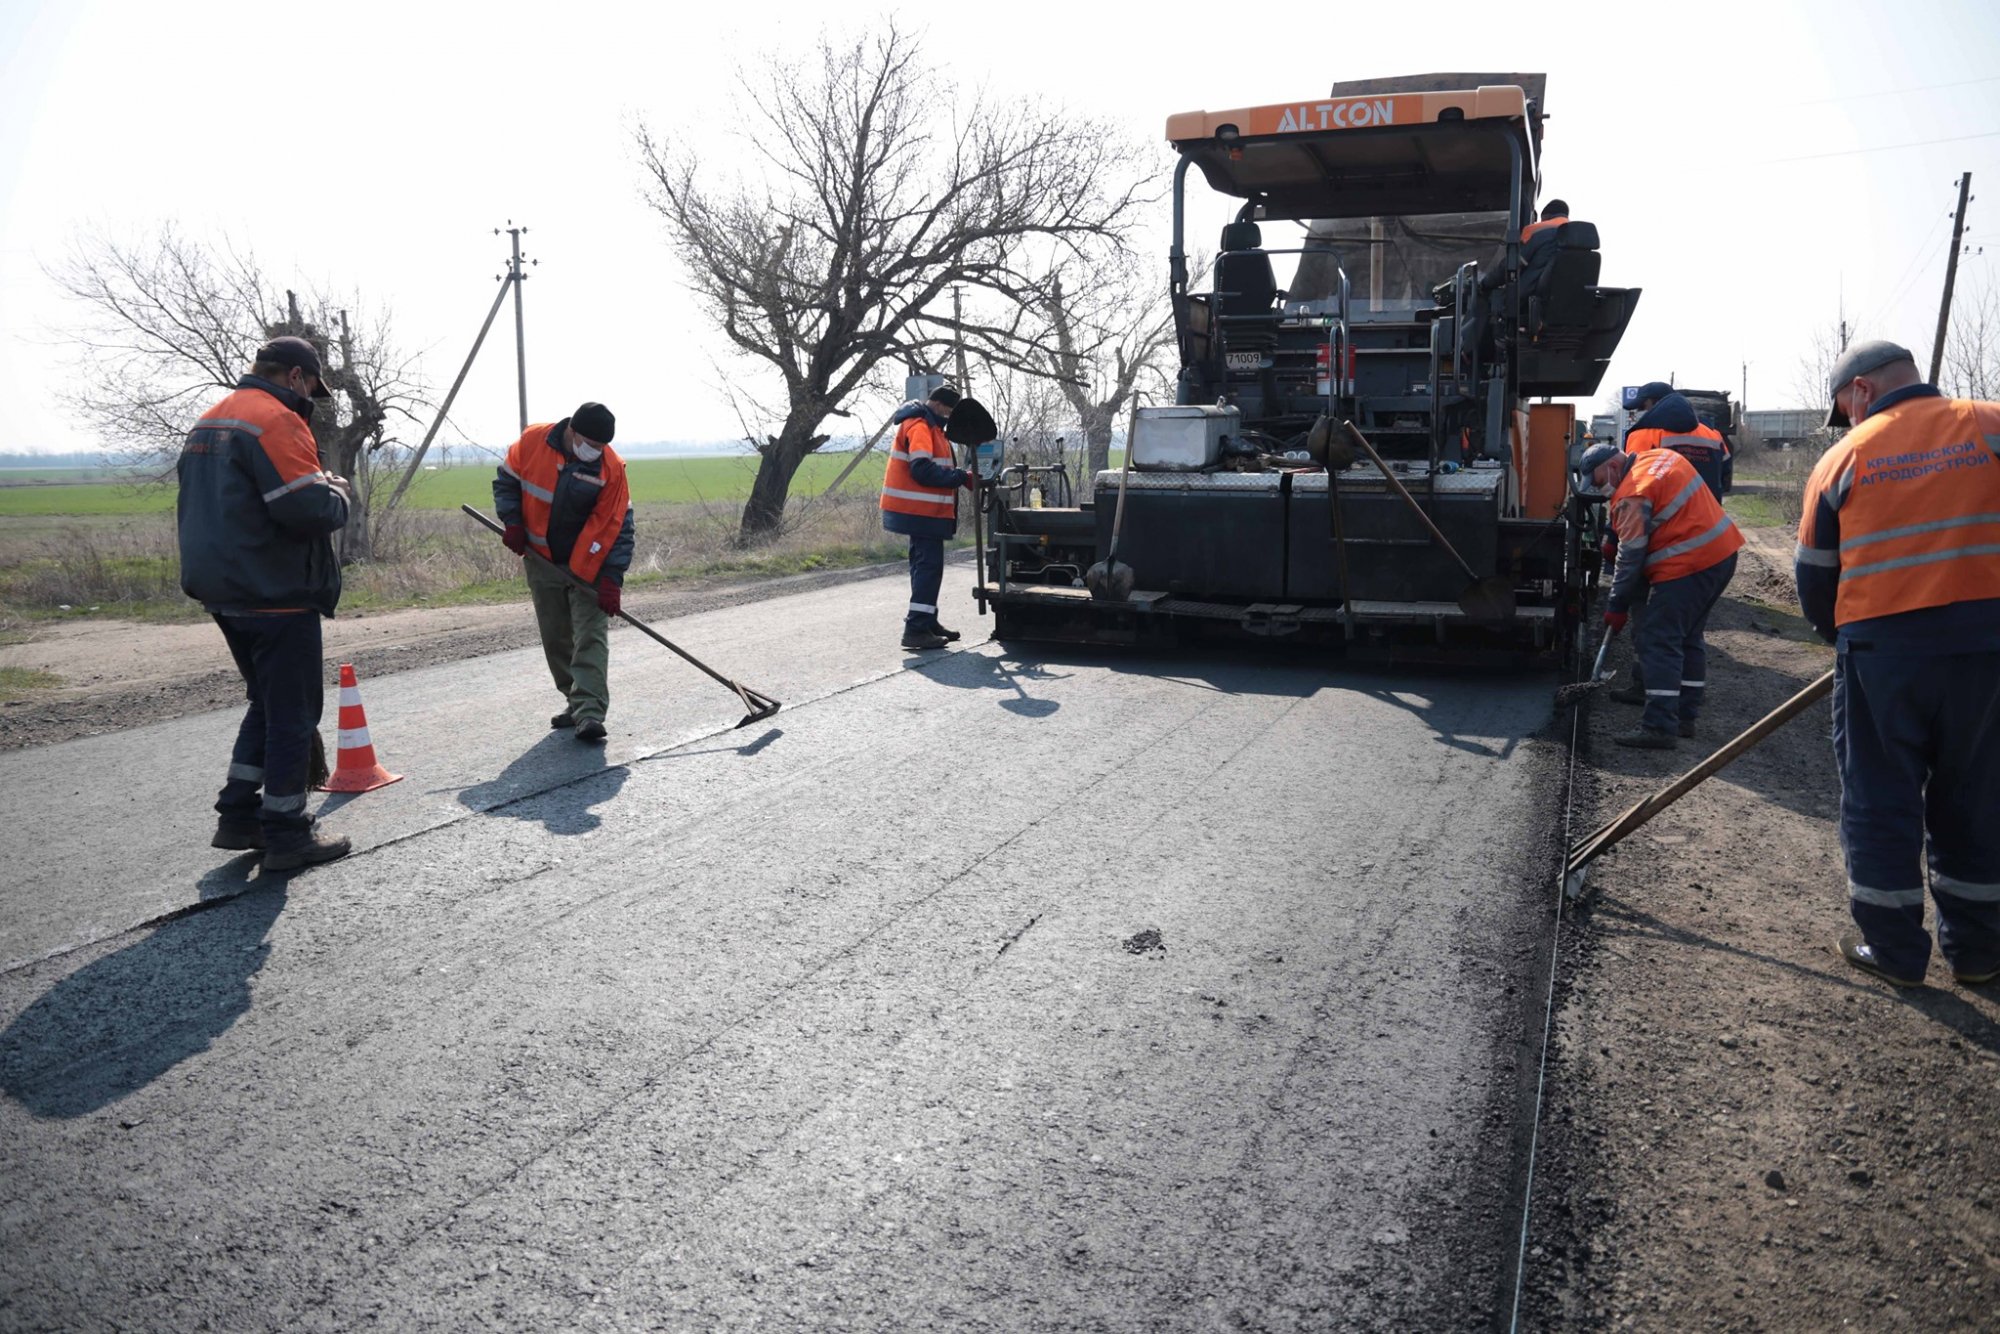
[
  {"x": 1675, "y": 542},
  {"x": 562, "y": 492},
  {"x": 920, "y": 500},
  {"x": 1898, "y": 564}
]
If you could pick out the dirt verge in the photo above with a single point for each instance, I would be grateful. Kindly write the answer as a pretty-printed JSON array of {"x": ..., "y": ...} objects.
[
  {"x": 119, "y": 674},
  {"x": 1741, "y": 1132}
]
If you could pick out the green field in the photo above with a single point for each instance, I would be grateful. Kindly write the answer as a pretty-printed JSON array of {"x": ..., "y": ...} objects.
[{"x": 654, "y": 481}]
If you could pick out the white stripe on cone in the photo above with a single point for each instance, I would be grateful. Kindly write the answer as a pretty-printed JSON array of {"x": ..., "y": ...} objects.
[{"x": 353, "y": 738}]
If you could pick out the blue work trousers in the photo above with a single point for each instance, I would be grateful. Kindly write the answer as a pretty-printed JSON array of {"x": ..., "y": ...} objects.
[
  {"x": 279, "y": 656},
  {"x": 926, "y": 578},
  {"x": 1673, "y": 649},
  {"x": 1918, "y": 741}
]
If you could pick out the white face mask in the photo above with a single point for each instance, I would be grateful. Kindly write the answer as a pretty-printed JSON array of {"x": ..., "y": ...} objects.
[{"x": 585, "y": 453}]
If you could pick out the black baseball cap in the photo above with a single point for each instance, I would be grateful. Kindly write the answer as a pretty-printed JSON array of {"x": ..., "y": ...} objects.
[{"x": 291, "y": 350}]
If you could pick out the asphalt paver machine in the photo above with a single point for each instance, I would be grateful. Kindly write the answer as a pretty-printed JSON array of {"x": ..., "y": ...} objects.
[{"x": 1417, "y": 315}]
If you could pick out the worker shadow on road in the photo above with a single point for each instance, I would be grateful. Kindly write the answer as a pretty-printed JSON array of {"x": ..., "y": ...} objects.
[
  {"x": 1740, "y": 693},
  {"x": 1979, "y": 1027},
  {"x": 554, "y": 782},
  {"x": 978, "y": 671},
  {"x": 118, "y": 1023}
]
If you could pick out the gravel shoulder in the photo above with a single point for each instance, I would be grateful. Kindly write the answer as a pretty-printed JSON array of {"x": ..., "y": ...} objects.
[{"x": 1742, "y": 1132}]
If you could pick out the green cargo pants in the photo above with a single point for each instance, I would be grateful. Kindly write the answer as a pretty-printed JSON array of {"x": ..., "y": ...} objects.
[{"x": 576, "y": 638}]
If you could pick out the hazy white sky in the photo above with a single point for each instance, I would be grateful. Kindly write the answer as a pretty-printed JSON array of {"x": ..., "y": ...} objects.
[{"x": 374, "y": 146}]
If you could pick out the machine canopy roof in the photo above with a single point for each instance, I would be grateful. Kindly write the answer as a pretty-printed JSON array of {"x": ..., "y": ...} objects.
[{"x": 1387, "y": 147}]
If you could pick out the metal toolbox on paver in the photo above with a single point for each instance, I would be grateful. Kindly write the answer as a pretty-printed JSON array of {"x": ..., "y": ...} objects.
[{"x": 1181, "y": 439}]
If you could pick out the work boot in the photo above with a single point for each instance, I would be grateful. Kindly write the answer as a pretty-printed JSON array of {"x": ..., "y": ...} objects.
[
  {"x": 1647, "y": 738},
  {"x": 590, "y": 729},
  {"x": 310, "y": 850},
  {"x": 1687, "y": 728},
  {"x": 562, "y": 720},
  {"x": 1861, "y": 954},
  {"x": 1632, "y": 692},
  {"x": 950, "y": 636},
  {"x": 238, "y": 835},
  {"x": 916, "y": 639}
]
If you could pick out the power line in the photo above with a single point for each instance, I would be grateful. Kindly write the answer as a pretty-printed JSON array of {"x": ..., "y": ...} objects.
[
  {"x": 1880, "y": 148},
  {"x": 1926, "y": 252},
  {"x": 1891, "y": 92}
]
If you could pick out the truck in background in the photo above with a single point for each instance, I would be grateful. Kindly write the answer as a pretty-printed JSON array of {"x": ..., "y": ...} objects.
[{"x": 1782, "y": 428}]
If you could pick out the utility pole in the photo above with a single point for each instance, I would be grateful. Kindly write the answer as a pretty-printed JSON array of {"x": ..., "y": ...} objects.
[
  {"x": 1950, "y": 275},
  {"x": 957, "y": 338},
  {"x": 516, "y": 275},
  {"x": 1743, "y": 390}
]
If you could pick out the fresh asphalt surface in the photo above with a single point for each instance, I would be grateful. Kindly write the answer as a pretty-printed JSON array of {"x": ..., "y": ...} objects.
[{"x": 970, "y": 991}]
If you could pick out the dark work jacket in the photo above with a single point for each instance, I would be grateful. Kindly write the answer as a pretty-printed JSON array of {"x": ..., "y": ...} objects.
[{"x": 255, "y": 513}]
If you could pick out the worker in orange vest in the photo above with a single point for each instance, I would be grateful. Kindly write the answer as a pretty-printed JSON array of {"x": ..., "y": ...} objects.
[
  {"x": 254, "y": 513},
  {"x": 562, "y": 493},
  {"x": 1668, "y": 421},
  {"x": 1554, "y": 214},
  {"x": 1898, "y": 565},
  {"x": 920, "y": 500},
  {"x": 1675, "y": 543}
]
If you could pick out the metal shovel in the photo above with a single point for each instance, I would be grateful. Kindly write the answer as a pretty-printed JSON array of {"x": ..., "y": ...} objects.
[
  {"x": 1486, "y": 598},
  {"x": 1109, "y": 580}
]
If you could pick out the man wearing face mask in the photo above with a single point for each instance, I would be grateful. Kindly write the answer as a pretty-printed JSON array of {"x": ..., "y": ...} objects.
[
  {"x": 562, "y": 493},
  {"x": 254, "y": 514},
  {"x": 1898, "y": 565}
]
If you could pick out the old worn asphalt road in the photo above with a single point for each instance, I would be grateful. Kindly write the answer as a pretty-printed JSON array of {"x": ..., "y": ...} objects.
[{"x": 973, "y": 991}]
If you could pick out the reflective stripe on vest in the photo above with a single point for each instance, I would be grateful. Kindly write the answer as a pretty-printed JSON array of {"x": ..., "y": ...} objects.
[
  {"x": 1920, "y": 517},
  {"x": 1687, "y": 531},
  {"x": 902, "y": 492},
  {"x": 537, "y": 466}
]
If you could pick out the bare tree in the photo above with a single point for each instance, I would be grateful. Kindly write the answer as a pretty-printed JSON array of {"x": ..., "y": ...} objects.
[
  {"x": 880, "y": 190},
  {"x": 169, "y": 323},
  {"x": 1972, "y": 349},
  {"x": 1101, "y": 330},
  {"x": 1816, "y": 366}
]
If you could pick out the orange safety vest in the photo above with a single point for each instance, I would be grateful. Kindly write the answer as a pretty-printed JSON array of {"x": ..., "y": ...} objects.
[
  {"x": 1917, "y": 487},
  {"x": 903, "y": 493},
  {"x": 537, "y": 465},
  {"x": 1686, "y": 531},
  {"x": 1541, "y": 226},
  {"x": 1703, "y": 438}
]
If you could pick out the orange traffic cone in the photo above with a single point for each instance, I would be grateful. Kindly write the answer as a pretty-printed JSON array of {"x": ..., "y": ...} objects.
[{"x": 356, "y": 770}]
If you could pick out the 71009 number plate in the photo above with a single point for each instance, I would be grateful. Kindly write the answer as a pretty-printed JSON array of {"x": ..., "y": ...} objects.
[{"x": 1245, "y": 361}]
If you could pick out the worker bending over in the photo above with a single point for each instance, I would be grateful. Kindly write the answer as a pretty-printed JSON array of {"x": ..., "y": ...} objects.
[
  {"x": 562, "y": 494},
  {"x": 1676, "y": 544}
]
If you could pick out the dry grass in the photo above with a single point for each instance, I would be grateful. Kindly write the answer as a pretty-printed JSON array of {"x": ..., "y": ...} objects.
[{"x": 129, "y": 566}]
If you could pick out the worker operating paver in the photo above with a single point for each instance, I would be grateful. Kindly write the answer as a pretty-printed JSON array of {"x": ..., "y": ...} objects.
[{"x": 1898, "y": 565}]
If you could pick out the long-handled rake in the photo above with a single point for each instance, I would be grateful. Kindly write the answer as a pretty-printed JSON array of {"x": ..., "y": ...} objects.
[{"x": 760, "y": 705}]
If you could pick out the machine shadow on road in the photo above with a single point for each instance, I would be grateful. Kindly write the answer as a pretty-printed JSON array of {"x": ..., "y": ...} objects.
[
  {"x": 980, "y": 671},
  {"x": 115, "y": 1025},
  {"x": 556, "y": 781}
]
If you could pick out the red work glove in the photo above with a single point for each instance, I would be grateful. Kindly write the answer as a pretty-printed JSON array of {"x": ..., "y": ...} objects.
[
  {"x": 970, "y": 481},
  {"x": 1610, "y": 550},
  {"x": 515, "y": 539},
  {"x": 607, "y": 597},
  {"x": 1615, "y": 620}
]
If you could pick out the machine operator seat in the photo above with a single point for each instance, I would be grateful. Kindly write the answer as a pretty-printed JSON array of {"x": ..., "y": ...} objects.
[
  {"x": 1244, "y": 281},
  {"x": 1557, "y": 275}
]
